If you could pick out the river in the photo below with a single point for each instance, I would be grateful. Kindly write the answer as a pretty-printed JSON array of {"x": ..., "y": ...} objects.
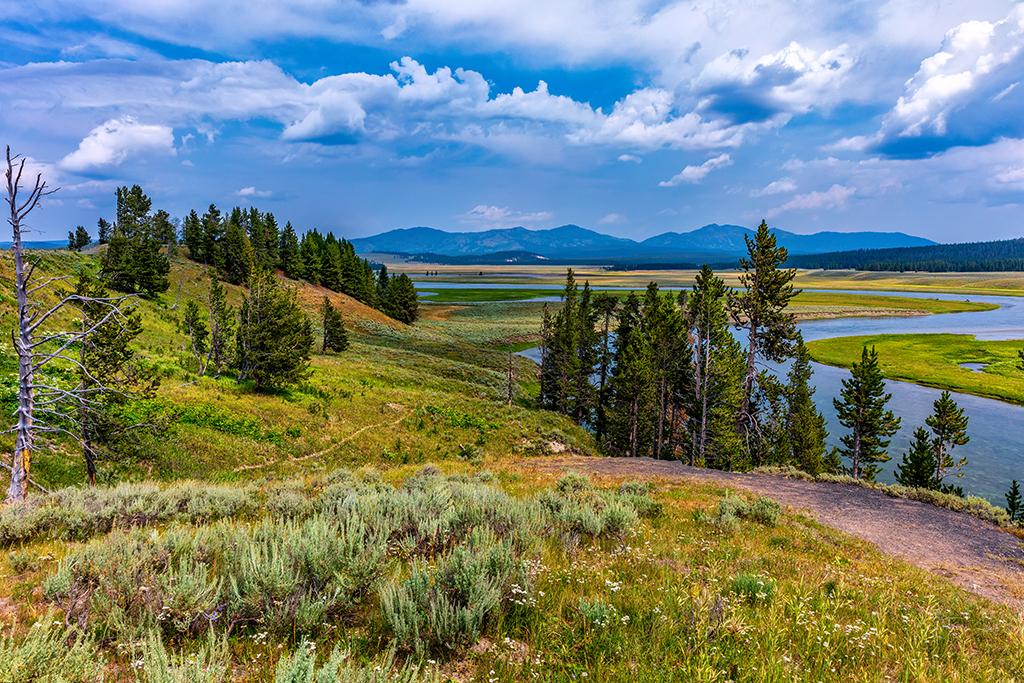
[{"x": 996, "y": 450}]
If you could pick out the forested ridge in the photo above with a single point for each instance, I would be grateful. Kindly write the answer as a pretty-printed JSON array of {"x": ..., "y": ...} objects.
[{"x": 1000, "y": 255}]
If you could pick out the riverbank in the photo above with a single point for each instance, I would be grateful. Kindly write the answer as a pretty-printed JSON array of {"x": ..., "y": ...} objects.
[{"x": 957, "y": 362}]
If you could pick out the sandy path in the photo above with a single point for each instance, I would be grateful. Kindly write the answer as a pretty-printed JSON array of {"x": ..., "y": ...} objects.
[{"x": 974, "y": 554}]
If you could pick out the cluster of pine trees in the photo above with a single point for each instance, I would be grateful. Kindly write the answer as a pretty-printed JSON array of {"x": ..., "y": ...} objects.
[
  {"x": 670, "y": 380},
  {"x": 244, "y": 241},
  {"x": 134, "y": 260}
]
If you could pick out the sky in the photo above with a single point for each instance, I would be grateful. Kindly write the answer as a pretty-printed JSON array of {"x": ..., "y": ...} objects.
[{"x": 631, "y": 117}]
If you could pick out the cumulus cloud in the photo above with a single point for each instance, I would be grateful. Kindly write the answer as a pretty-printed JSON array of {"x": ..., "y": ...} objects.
[
  {"x": 503, "y": 217},
  {"x": 833, "y": 198},
  {"x": 251, "y": 191},
  {"x": 610, "y": 218},
  {"x": 110, "y": 143},
  {"x": 780, "y": 186},
  {"x": 695, "y": 174},
  {"x": 790, "y": 81},
  {"x": 964, "y": 94}
]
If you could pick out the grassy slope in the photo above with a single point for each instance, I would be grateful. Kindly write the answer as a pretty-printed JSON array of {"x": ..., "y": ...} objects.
[
  {"x": 934, "y": 360},
  {"x": 400, "y": 394}
]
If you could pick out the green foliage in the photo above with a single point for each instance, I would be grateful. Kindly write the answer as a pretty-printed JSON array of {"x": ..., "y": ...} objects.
[
  {"x": 949, "y": 427},
  {"x": 1014, "y": 503},
  {"x": 804, "y": 424},
  {"x": 274, "y": 335},
  {"x": 917, "y": 469},
  {"x": 78, "y": 238},
  {"x": 731, "y": 509},
  {"x": 754, "y": 589},
  {"x": 133, "y": 261},
  {"x": 302, "y": 667},
  {"x": 49, "y": 653},
  {"x": 209, "y": 663},
  {"x": 334, "y": 336},
  {"x": 861, "y": 408},
  {"x": 400, "y": 299}
]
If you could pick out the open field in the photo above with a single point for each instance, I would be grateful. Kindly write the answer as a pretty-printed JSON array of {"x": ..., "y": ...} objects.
[
  {"x": 934, "y": 360},
  {"x": 1009, "y": 283}
]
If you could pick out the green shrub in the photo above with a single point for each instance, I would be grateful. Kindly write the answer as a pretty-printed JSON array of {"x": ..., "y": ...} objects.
[
  {"x": 731, "y": 509},
  {"x": 752, "y": 588},
  {"x": 597, "y": 613},
  {"x": 301, "y": 667},
  {"x": 49, "y": 653},
  {"x": 209, "y": 663}
]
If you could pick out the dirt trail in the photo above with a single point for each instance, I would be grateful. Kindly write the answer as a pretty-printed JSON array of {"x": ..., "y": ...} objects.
[{"x": 971, "y": 553}]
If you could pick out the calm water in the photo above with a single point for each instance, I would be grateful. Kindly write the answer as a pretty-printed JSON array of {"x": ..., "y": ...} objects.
[{"x": 996, "y": 450}]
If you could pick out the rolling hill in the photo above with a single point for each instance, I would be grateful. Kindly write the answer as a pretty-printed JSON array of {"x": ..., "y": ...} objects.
[{"x": 712, "y": 243}]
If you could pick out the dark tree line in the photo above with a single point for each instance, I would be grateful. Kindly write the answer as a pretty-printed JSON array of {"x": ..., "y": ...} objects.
[
  {"x": 662, "y": 375},
  {"x": 1000, "y": 255},
  {"x": 241, "y": 242}
]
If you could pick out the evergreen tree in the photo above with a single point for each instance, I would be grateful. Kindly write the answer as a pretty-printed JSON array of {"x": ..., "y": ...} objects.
[
  {"x": 309, "y": 252},
  {"x": 213, "y": 233},
  {"x": 108, "y": 374},
  {"x": 198, "y": 334},
  {"x": 237, "y": 252},
  {"x": 382, "y": 283},
  {"x": 949, "y": 426},
  {"x": 671, "y": 363},
  {"x": 1014, "y": 503},
  {"x": 604, "y": 307},
  {"x": 561, "y": 352},
  {"x": 163, "y": 229},
  {"x": 222, "y": 327},
  {"x": 804, "y": 424},
  {"x": 584, "y": 393},
  {"x": 103, "y": 230},
  {"x": 335, "y": 338},
  {"x": 917, "y": 469},
  {"x": 402, "y": 300},
  {"x": 632, "y": 392},
  {"x": 133, "y": 261},
  {"x": 288, "y": 252},
  {"x": 718, "y": 376},
  {"x": 274, "y": 335},
  {"x": 861, "y": 409},
  {"x": 192, "y": 236},
  {"x": 771, "y": 331},
  {"x": 78, "y": 238}
]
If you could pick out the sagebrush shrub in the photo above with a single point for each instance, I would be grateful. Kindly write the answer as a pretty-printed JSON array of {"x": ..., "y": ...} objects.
[{"x": 49, "y": 653}]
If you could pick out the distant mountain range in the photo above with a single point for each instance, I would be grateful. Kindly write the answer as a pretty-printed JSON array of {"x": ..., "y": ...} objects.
[{"x": 572, "y": 244}]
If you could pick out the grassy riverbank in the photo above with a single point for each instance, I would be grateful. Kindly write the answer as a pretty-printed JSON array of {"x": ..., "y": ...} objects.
[{"x": 935, "y": 360}]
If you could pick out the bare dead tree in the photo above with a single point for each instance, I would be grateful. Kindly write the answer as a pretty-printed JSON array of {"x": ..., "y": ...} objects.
[{"x": 44, "y": 408}]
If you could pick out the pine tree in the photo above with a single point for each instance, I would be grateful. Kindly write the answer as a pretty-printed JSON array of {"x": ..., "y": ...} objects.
[
  {"x": 917, "y": 468},
  {"x": 583, "y": 391},
  {"x": 198, "y": 334},
  {"x": 382, "y": 283},
  {"x": 108, "y": 374},
  {"x": 632, "y": 390},
  {"x": 309, "y": 252},
  {"x": 133, "y": 261},
  {"x": 861, "y": 409},
  {"x": 561, "y": 352},
  {"x": 192, "y": 236},
  {"x": 402, "y": 300},
  {"x": 665, "y": 328},
  {"x": 213, "y": 233},
  {"x": 1014, "y": 503},
  {"x": 761, "y": 310},
  {"x": 222, "y": 327},
  {"x": 604, "y": 307},
  {"x": 237, "y": 253},
  {"x": 288, "y": 253},
  {"x": 163, "y": 229},
  {"x": 103, "y": 230},
  {"x": 718, "y": 376},
  {"x": 274, "y": 336},
  {"x": 78, "y": 238},
  {"x": 335, "y": 338},
  {"x": 804, "y": 424},
  {"x": 949, "y": 426}
]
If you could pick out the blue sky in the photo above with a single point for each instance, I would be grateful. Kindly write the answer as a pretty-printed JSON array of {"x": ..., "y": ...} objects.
[{"x": 631, "y": 117}]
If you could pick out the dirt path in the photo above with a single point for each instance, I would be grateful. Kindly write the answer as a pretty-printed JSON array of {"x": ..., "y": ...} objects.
[{"x": 973, "y": 554}]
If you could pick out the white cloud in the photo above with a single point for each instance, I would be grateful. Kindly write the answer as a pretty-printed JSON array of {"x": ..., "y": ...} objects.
[
  {"x": 833, "y": 198},
  {"x": 695, "y": 174},
  {"x": 631, "y": 158},
  {"x": 965, "y": 93},
  {"x": 251, "y": 191},
  {"x": 503, "y": 217},
  {"x": 780, "y": 186},
  {"x": 610, "y": 218},
  {"x": 110, "y": 143}
]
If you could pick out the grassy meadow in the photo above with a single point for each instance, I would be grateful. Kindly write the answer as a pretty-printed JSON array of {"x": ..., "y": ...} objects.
[
  {"x": 935, "y": 360},
  {"x": 371, "y": 524}
]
